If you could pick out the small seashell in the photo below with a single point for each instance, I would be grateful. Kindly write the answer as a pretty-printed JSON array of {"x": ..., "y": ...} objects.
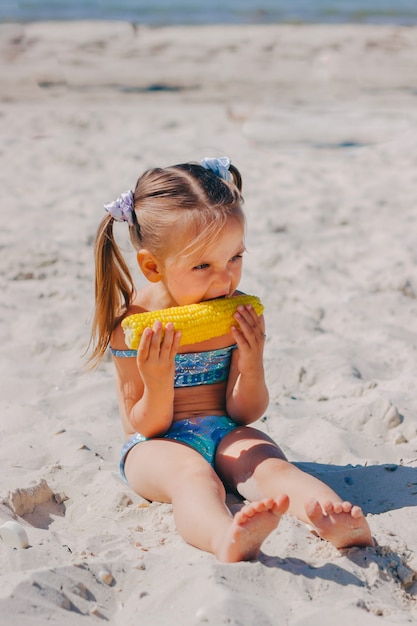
[
  {"x": 60, "y": 497},
  {"x": 13, "y": 534},
  {"x": 96, "y": 611},
  {"x": 106, "y": 577},
  {"x": 141, "y": 566},
  {"x": 400, "y": 438}
]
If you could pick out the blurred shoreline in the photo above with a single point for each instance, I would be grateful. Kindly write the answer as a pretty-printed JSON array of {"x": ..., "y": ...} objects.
[{"x": 177, "y": 12}]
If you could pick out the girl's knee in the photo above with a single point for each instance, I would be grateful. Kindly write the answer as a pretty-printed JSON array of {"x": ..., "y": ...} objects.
[
  {"x": 201, "y": 473},
  {"x": 246, "y": 439}
]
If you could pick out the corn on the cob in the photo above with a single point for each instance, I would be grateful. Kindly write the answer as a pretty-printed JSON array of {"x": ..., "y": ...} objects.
[{"x": 197, "y": 322}]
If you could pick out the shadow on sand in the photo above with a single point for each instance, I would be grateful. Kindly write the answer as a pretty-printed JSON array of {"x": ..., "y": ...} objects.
[{"x": 375, "y": 488}]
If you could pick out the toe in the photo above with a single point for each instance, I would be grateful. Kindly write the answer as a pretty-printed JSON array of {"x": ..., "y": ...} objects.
[
  {"x": 357, "y": 512},
  {"x": 314, "y": 511},
  {"x": 281, "y": 504},
  {"x": 328, "y": 507},
  {"x": 337, "y": 508}
]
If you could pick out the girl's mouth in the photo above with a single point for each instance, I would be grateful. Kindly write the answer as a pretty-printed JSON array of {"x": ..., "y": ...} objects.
[{"x": 216, "y": 298}]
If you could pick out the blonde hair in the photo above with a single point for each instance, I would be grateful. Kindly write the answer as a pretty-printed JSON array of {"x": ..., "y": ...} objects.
[{"x": 184, "y": 198}]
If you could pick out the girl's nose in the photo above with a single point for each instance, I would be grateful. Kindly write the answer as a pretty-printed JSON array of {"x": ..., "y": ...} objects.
[{"x": 223, "y": 280}]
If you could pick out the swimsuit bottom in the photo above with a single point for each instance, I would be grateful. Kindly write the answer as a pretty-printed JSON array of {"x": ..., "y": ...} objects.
[{"x": 203, "y": 434}]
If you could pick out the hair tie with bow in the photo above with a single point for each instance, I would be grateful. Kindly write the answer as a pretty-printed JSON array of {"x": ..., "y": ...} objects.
[
  {"x": 122, "y": 208},
  {"x": 219, "y": 166}
]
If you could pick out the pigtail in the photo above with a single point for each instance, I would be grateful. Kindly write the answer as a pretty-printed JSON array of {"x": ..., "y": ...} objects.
[
  {"x": 237, "y": 178},
  {"x": 114, "y": 289}
]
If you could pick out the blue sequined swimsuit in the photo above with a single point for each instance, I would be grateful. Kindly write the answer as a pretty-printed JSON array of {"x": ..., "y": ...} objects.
[{"x": 203, "y": 433}]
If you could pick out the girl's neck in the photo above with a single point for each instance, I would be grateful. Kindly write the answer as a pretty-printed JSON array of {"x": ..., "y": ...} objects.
[{"x": 154, "y": 297}]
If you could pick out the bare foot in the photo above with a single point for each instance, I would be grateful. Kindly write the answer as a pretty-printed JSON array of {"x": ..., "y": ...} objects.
[
  {"x": 250, "y": 526},
  {"x": 340, "y": 523}
]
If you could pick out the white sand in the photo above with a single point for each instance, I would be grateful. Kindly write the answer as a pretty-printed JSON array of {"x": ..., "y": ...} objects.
[{"x": 322, "y": 123}]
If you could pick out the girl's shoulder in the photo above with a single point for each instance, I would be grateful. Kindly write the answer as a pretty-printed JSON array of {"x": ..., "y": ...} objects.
[{"x": 117, "y": 340}]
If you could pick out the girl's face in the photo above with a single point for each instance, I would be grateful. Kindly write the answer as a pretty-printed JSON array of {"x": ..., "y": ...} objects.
[{"x": 211, "y": 272}]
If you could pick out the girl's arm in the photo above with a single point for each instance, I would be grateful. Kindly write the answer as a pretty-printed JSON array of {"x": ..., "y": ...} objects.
[
  {"x": 146, "y": 385},
  {"x": 247, "y": 395}
]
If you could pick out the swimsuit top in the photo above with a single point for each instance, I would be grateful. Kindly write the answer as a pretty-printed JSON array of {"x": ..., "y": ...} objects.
[{"x": 196, "y": 368}]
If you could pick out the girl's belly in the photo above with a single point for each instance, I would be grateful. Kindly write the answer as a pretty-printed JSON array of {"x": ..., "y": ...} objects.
[{"x": 197, "y": 401}]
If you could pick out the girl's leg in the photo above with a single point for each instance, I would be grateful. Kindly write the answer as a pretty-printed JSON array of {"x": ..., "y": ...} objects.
[
  {"x": 168, "y": 471},
  {"x": 250, "y": 462}
]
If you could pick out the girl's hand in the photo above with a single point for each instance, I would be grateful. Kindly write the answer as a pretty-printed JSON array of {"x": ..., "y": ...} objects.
[
  {"x": 250, "y": 338},
  {"x": 156, "y": 354}
]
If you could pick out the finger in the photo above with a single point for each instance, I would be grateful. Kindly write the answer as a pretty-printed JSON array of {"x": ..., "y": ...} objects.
[
  {"x": 239, "y": 337},
  {"x": 145, "y": 344},
  {"x": 168, "y": 338},
  {"x": 261, "y": 321},
  {"x": 168, "y": 335},
  {"x": 242, "y": 319},
  {"x": 242, "y": 328},
  {"x": 251, "y": 311},
  {"x": 245, "y": 340},
  {"x": 176, "y": 342},
  {"x": 250, "y": 325},
  {"x": 249, "y": 315},
  {"x": 156, "y": 339},
  {"x": 258, "y": 321}
]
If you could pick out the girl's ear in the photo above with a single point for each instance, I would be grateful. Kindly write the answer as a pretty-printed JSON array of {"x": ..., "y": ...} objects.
[{"x": 149, "y": 266}]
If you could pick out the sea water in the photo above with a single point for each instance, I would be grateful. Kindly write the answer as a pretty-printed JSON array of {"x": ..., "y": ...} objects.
[{"x": 173, "y": 12}]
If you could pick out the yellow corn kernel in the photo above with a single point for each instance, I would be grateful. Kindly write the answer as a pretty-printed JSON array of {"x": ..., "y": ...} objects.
[{"x": 197, "y": 322}]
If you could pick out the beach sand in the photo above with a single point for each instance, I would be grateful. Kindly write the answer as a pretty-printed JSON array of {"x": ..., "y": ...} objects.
[{"x": 321, "y": 121}]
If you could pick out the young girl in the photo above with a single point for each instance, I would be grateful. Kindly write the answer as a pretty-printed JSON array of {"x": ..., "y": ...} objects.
[{"x": 184, "y": 444}]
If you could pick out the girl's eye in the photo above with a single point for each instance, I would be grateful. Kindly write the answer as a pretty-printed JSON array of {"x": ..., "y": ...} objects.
[
  {"x": 202, "y": 266},
  {"x": 237, "y": 257}
]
